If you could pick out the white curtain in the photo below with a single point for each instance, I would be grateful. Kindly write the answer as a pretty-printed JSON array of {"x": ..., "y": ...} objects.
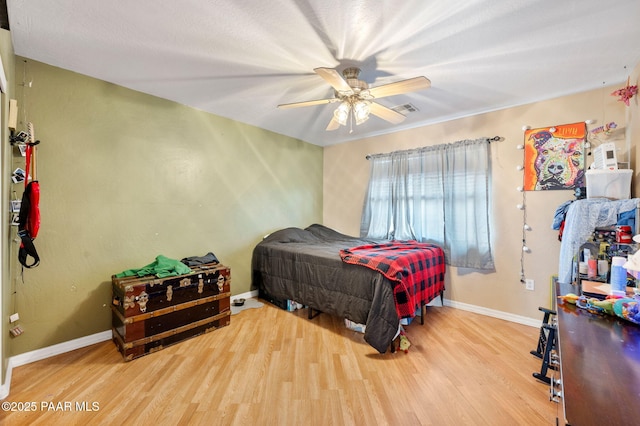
[{"x": 439, "y": 194}]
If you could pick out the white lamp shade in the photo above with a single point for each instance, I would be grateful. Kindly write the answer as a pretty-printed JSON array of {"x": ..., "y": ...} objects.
[
  {"x": 361, "y": 111},
  {"x": 341, "y": 114}
]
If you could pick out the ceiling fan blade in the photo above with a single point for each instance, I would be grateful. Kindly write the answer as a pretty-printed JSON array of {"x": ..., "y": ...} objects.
[
  {"x": 307, "y": 103},
  {"x": 386, "y": 113},
  {"x": 400, "y": 87},
  {"x": 334, "y": 78},
  {"x": 333, "y": 124}
]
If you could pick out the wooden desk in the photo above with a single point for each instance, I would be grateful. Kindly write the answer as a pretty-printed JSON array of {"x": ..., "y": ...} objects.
[{"x": 599, "y": 365}]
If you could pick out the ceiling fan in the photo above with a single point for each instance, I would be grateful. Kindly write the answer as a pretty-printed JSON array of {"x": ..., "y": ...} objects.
[{"x": 357, "y": 98}]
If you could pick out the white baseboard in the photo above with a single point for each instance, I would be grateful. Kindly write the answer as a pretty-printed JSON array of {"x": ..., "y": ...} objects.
[
  {"x": 49, "y": 351},
  {"x": 40, "y": 354},
  {"x": 519, "y": 319},
  {"x": 60, "y": 348},
  {"x": 4, "y": 388},
  {"x": 247, "y": 295}
]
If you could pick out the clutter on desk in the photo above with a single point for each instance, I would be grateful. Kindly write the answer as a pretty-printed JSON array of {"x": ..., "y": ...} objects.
[{"x": 627, "y": 308}]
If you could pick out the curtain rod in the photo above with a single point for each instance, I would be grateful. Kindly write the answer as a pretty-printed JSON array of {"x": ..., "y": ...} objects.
[{"x": 489, "y": 140}]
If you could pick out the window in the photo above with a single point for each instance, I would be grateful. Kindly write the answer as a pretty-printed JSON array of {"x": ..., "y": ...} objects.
[{"x": 438, "y": 194}]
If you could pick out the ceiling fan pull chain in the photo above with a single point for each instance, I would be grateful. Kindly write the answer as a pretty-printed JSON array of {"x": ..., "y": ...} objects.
[{"x": 351, "y": 120}]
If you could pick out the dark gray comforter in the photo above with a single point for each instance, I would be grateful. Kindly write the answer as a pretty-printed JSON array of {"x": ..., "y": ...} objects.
[{"x": 304, "y": 265}]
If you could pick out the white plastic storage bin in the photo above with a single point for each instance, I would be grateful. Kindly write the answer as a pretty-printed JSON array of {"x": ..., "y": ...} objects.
[{"x": 611, "y": 184}]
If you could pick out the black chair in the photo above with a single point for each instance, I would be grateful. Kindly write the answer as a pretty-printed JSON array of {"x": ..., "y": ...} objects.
[{"x": 546, "y": 344}]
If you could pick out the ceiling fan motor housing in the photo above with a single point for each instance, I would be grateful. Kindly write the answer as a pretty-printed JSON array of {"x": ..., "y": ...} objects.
[{"x": 351, "y": 76}]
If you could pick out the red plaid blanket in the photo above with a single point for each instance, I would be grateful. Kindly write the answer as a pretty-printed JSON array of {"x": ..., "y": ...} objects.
[{"x": 416, "y": 268}]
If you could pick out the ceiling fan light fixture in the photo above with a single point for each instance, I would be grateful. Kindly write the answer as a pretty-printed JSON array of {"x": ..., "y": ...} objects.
[
  {"x": 358, "y": 100},
  {"x": 361, "y": 110},
  {"x": 341, "y": 114}
]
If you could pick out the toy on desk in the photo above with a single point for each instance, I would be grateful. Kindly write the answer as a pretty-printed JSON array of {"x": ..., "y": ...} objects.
[
  {"x": 626, "y": 308},
  {"x": 596, "y": 306},
  {"x": 569, "y": 298}
]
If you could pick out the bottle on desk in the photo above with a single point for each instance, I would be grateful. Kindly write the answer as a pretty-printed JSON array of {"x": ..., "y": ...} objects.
[
  {"x": 618, "y": 276},
  {"x": 592, "y": 268},
  {"x": 603, "y": 268}
]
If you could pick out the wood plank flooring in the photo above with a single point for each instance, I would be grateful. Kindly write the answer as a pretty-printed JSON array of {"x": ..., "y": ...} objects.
[{"x": 272, "y": 367}]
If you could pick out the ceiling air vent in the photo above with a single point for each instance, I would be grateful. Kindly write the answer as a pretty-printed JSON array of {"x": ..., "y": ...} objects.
[{"x": 405, "y": 109}]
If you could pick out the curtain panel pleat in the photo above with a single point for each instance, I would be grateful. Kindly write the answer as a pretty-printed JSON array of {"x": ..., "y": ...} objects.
[{"x": 439, "y": 194}]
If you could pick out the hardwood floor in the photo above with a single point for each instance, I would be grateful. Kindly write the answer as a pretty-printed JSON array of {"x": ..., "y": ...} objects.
[{"x": 276, "y": 367}]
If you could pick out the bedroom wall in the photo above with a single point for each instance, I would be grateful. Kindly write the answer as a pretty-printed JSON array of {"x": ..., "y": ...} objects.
[
  {"x": 633, "y": 133},
  {"x": 127, "y": 176},
  {"x": 346, "y": 172},
  {"x": 8, "y": 64}
]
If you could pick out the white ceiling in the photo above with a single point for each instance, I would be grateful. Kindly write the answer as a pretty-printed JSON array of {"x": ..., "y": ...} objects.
[{"x": 241, "y": 58}]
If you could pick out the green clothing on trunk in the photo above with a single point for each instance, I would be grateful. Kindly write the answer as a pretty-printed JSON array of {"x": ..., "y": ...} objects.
[{"x": 162, "y": 267}]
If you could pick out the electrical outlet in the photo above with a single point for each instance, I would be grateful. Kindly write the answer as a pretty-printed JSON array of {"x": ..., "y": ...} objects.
[
  {"x": 13, "y": 318},
  {"x": 16, "y": 331},
  {"x": 529, "y": 284}
]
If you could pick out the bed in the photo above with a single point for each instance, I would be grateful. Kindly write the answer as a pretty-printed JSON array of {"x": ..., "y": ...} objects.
[{"x": 319, "y": 268}]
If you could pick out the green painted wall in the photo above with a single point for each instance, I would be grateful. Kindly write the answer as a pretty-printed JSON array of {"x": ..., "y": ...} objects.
[
  {"x": 125, "y": 177},
  {"x": 8, "y": 64}
]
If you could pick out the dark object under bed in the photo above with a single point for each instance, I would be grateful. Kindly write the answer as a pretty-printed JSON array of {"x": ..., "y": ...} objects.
[{"x": 304, "y": 265}]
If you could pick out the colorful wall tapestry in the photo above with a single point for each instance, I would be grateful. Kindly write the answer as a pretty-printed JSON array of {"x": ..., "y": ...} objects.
[{"x": 554, "y": 157}]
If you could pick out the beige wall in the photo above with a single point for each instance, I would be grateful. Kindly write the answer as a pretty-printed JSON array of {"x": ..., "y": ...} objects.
[
  {"x": 346, "y": 173},
  {"x": 633, "y": 132},
  {"x": 125, "y": 177}
]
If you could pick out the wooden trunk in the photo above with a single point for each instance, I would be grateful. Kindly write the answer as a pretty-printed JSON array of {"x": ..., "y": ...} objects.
[{"x": 150, "y": 313}]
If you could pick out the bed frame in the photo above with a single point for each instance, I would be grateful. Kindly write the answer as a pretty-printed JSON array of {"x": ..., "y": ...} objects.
[{"x": 304, "y": 265}]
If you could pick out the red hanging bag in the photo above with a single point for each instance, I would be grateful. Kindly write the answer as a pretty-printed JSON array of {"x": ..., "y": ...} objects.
[{"x": 29, "y": 217}]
